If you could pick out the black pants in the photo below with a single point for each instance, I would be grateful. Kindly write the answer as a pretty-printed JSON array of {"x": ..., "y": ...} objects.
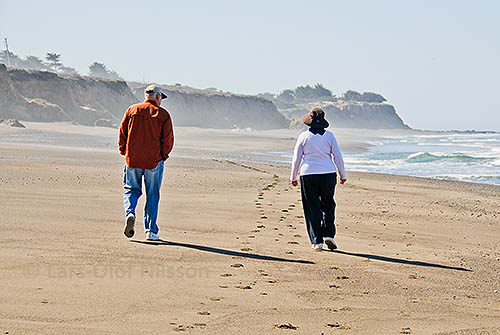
[{"x": 319, "y": 206}]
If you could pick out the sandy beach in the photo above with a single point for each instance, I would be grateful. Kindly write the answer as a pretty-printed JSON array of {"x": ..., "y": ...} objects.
[{"x": 416, "y": 256}]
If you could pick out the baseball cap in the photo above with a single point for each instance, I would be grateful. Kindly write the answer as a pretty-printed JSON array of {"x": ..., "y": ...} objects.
[{"x": 155, "y": 89}]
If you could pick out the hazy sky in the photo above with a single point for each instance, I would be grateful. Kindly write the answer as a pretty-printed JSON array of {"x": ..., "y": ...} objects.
[{"x": 436, "y": 61}]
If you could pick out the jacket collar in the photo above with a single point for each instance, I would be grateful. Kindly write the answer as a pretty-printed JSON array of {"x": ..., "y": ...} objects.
[{"x": 151, "y": 102}]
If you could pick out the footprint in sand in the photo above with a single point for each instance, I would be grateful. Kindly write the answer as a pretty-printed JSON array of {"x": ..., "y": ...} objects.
[
  {"x": 293, "y": 242},
  {"x": 200, "y": 325},
  {"x": 226, "y": 275},
  {"x": 237, "y": 265},
  {"x": 255, "y": 231},
  {"x": 215, "y": 299},
  {"x": 261, "y": 226},
  {"x": 204, "y": 313},
  {"x": 244, "y": 287},
  {"x": 246, "y": 249}
]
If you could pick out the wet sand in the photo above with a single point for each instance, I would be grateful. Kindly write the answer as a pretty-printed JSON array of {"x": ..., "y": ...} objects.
[{"x": 416, "y": 256}]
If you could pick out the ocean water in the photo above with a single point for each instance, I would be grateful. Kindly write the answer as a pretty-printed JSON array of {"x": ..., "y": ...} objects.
[
  {"x": 471, "y": 157},
  {"x": 452, "y": 156}
]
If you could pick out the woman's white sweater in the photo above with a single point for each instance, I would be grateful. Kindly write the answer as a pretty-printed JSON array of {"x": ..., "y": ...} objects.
[{"x": 317, "y": 154}]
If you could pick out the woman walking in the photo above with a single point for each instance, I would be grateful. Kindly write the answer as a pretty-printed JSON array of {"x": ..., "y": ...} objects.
[{"x": 317, "y": 158}]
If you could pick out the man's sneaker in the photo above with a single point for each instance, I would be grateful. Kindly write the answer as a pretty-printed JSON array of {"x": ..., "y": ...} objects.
[
  {"x": 330, "y": 243},
  {"x": 129, "y": 228},
  {"x": 150, "y": 236},
  {"x": 317, "y": 247}
]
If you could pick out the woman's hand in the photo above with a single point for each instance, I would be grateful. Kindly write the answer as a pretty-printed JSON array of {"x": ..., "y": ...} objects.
[
  {"x": 295, "y": 183},
  {"x": 342, "y": 181}
]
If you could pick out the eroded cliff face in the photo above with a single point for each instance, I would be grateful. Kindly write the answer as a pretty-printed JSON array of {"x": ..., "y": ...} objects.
[
  {"x": 213, "y": 109},
  {"x": 46, "y": 96},
  {"x": 351, "y": 114}
]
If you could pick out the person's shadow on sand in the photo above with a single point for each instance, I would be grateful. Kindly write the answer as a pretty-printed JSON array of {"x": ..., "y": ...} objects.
[
  {"x": 224, "y": 251},
  {"x": 279, "y": 259},
  {"x": 400, "y": 261}
]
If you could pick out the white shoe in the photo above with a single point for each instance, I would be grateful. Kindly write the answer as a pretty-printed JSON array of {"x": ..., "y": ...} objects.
[
  {"x": 129, "y": 228},
  {"x": 150, "y": 236},
  {"x": 330, "y": 243},
  {"x": 317, "y": 247}
]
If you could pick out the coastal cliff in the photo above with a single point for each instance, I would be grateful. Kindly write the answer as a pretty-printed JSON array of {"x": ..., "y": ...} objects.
[
  {"x": 351, "y": 114},
  {"x": 214, "y": 109},
  {"x": 47, "y": 97}
]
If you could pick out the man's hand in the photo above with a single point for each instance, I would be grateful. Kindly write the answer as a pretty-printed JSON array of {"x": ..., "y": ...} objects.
[
  {"x": 295, "y": 183},
  {"x": 342, "y": 181}
]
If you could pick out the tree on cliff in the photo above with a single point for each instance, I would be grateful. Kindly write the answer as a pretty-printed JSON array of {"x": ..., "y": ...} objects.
[
  {"x": 365, "y": 97},
  {"x": 316, "y": 92},
  {"x": 68, "y": 71},
  {"x": 34, "y": 63},
  {"x": 100, "y": 70},
  {"x": 54, "y": 60},
  {"x": 372, "y": 97},
  {"x": 14, "y": 59},
  {"x": 286, "y": 96},
  {"x": 351, "y": 96}
]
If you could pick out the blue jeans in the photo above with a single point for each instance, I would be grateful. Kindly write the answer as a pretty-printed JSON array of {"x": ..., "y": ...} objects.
[{"x": 132, "y": 182}]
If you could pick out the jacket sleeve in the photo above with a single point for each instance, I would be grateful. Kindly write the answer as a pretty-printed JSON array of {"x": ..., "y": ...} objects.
[
  {"x": 122, "y": 140},
  {"x": 297, "y": 159},
  {"x": 167, "y": 138}
]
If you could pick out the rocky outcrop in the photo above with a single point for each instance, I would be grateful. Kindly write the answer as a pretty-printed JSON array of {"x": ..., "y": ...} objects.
[
  {"x": 214, "y": 109},
  {"x": 351, "y": 114},
  {"x": 47, "y": 96}
]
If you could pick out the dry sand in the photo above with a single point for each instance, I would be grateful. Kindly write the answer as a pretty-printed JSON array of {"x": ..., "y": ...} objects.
[{"x": 416, "y": 256}]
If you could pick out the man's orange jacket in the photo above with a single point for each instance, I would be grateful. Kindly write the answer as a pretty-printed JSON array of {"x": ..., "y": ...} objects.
[{"x": 146, "y": 135}]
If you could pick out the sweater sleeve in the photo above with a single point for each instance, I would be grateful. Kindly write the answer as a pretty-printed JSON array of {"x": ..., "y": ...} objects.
[
  {"x": 337, "y": 158},
  {"x": 297, "y": 159},
  {"x": 122, "y": 139}
]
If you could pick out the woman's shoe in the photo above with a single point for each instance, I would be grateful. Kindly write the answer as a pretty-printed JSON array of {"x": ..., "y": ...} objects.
[
  {"x": 330, "y": 243},
  {"x": 317, "y": 247}
]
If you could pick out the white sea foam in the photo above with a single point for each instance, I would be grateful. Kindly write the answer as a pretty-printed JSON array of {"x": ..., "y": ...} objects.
[{"x": 466, "y": 157}]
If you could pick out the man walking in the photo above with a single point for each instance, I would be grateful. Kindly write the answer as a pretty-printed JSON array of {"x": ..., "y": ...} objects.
[{"x": 146, "y": 140}]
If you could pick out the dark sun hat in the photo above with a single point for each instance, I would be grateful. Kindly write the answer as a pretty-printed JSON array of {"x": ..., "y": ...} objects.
[{"x": 315, "y": 119}]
